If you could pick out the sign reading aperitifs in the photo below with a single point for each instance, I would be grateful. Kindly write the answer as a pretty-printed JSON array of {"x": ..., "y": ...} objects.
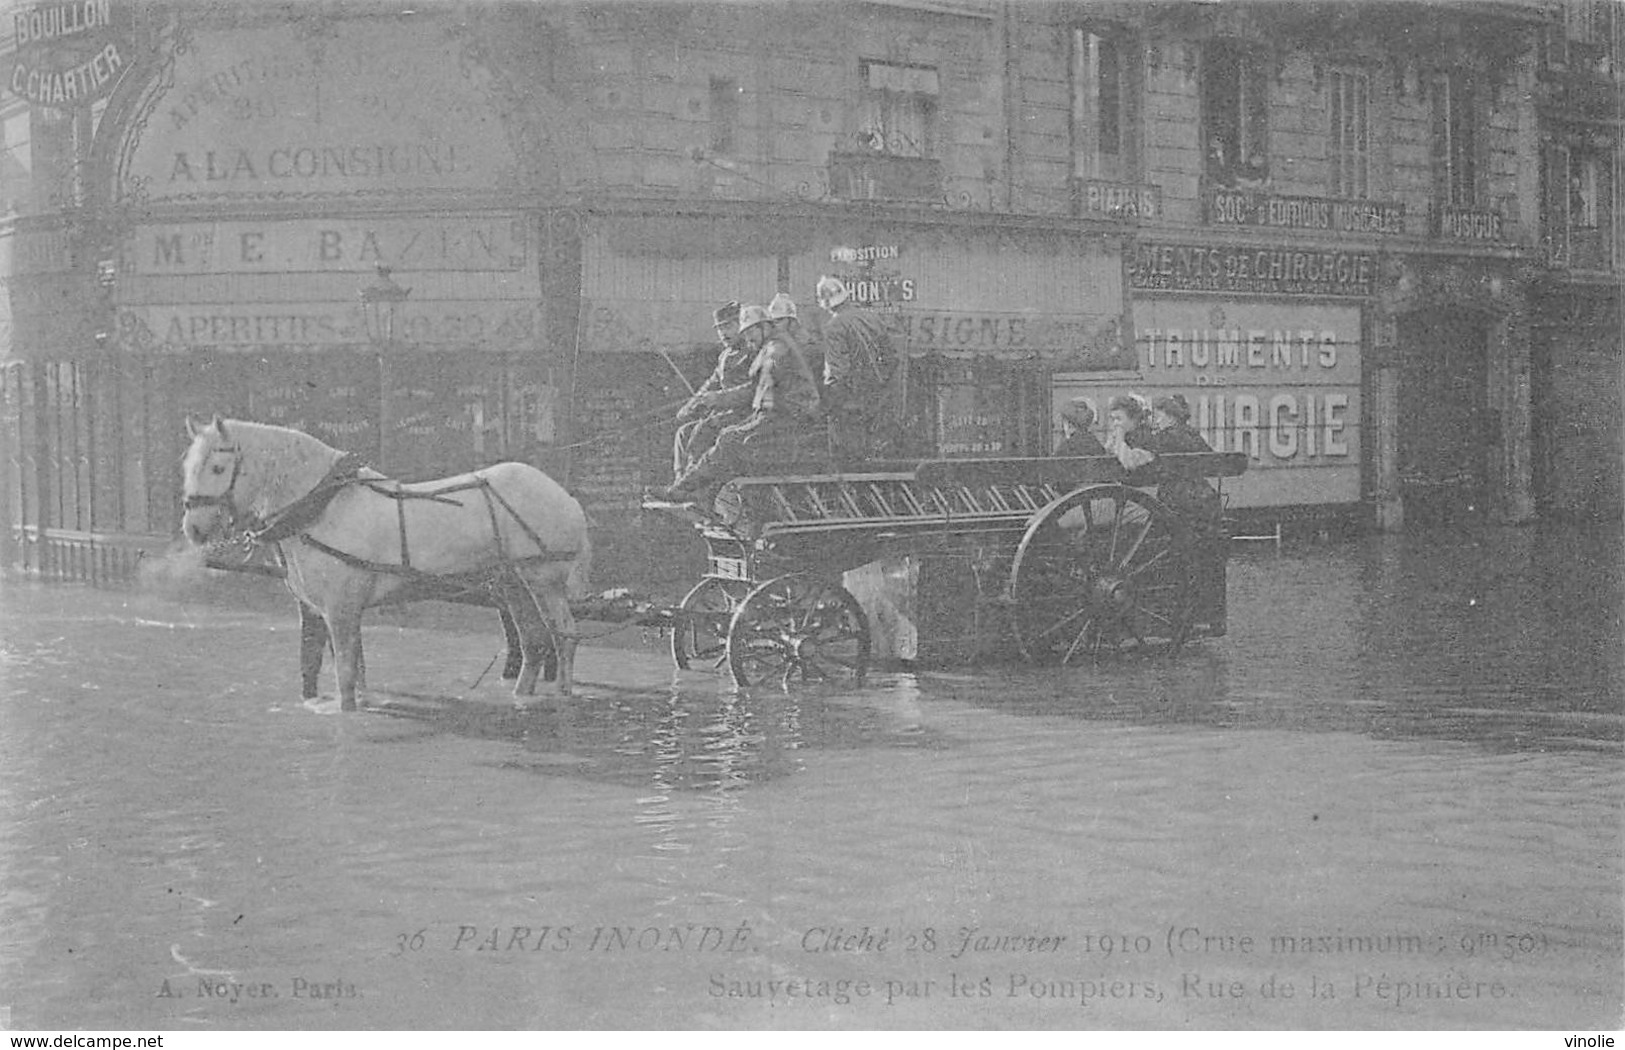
[{"x": 1250, "y": 270}]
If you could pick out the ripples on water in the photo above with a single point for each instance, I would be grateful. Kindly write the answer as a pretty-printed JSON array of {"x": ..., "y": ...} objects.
[{"x": 1417, "y": 735}]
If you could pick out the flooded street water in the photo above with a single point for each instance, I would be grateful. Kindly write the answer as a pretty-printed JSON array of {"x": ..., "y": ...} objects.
[{"x": 1390, "y": 798}]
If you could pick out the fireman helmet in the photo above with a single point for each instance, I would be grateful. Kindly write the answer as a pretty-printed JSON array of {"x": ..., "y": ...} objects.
[
  {"x": 832, "y": 292},
  {"x": 751, "y": 316},
  {"x": 782, "y": 307}
]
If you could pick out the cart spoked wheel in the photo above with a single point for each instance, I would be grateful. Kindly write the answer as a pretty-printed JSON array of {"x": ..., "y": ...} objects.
[
  {"x": 699, "y": 633},
  {"x": 1103, "y": 570},
  {"x": 799, "y": 627}
]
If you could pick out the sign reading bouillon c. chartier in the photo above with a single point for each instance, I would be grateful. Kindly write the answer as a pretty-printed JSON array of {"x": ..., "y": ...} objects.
[{"x": 67, "y": 53}]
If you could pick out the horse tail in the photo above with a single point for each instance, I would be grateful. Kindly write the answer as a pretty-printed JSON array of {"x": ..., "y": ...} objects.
[{"x": 576, "y": 583}]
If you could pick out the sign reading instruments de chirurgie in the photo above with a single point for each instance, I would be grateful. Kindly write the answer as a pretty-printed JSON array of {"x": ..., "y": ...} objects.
[
  {"x": 1278, "y": 270},
  {"x": 68, "y": 54}
]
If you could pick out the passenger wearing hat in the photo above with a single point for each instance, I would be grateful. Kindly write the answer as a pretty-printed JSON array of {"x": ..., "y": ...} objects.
[
  {"x": 1080, "y": 416},
  {"x": 1129, "y": 431},
  {"x": 865, "y": 377},
  {"x": 1187, "y": 492},
  {"x": 703, "y": 416},
  {"x": 784, "y": 406},
  {"x": 1171, "y": 433}
]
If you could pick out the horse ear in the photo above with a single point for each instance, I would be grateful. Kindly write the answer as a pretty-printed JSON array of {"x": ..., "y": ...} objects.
[
  {"x": 191, "y": 427},
  {"x": 220, "y": 427}
]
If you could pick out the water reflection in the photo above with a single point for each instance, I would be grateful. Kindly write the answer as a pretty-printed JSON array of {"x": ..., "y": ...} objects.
[
  {"x": 1423, "y": 728},
  {"x": 1511, "y": 640}
]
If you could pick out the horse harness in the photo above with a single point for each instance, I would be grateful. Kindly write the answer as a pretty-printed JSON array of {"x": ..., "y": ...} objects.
[{"x": 292, "y": 521}]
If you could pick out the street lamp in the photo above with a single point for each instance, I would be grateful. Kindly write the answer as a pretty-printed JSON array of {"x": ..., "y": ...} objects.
[
  {"x": 381, "y": 300},
  {"x": 382, "y": 303}
]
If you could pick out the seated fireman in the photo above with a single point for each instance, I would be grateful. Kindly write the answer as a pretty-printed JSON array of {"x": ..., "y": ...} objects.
[
  {"x": 784, "y": 405},
  {"x": 698, "y": 423},
  {"x": 865, "y": 378}
]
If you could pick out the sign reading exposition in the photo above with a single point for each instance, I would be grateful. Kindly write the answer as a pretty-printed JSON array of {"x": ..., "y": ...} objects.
[
  {"x": 1278, "y": 381},
  {"x": 1277, "y": 270}
]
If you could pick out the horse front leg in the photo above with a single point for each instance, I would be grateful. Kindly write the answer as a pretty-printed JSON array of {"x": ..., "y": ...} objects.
[
  {"x": 313, "y": 643},
  {"x": 345, "y": 627}
]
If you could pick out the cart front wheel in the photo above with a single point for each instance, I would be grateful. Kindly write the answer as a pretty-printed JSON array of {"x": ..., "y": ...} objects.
[
  {"x": 1102, "y": 570},
  {"x": 699, "y": 634},
  {"x": 798, "y": 627}
]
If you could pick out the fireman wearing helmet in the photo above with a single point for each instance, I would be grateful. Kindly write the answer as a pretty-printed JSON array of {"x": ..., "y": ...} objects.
[
  {"x": 784, "y": 407},
  {"x": 787, "y": 326},
  {"x": 865, "y": 375}
]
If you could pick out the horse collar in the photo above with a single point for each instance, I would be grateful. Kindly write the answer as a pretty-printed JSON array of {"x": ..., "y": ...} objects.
[{"x": 281, "y": 524}]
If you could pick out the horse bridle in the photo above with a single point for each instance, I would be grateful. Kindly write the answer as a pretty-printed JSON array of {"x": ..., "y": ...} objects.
[{"x": 223, "y": 499}]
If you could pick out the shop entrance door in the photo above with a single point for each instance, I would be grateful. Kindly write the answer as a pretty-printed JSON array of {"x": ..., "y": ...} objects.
[{"x": 1445, "y": 431}]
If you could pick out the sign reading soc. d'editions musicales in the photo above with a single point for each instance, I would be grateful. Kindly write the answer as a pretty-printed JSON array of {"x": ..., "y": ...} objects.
[{"x": 68, "y": 53}]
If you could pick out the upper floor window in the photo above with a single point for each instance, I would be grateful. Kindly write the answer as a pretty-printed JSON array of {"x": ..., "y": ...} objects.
[
  {"x": 1456, "y": 122},
  {"x": 898, "y": 111},
  {"x": 1349, "y": 92},
  {"x": 724, "y": 114},
  {"x": 1235, "y": 114},
  {"x": 1578, "y": 206},
  {"x": 1103, "y": 104},
  {"x": 16, "y": 161}
]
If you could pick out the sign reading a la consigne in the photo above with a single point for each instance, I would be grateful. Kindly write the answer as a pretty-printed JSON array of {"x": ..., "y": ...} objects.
[
  {"x": 67, "y": 53},
  {"x": 1235, "y": 269}
]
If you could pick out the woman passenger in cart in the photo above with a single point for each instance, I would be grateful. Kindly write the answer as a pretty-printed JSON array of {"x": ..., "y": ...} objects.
[
  {"x": 1139, "y": 447},
  {"x": 1140, "y": 438}
]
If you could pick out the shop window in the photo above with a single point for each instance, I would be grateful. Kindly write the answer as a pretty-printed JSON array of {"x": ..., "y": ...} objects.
[
  {"x": 1349, "y": 94},
  {"x": 1456, "y": 124},
  {"x": 898, "y": 109},
  {"x": 1581, "y": 37},
  {"x": 16, "y": 161},
  {"x": 1235, "y": 114},
  {"x": 1577, "y": 206},
  {"x": 724, "y": 114},
  {"x": 1104, "y": 103}
]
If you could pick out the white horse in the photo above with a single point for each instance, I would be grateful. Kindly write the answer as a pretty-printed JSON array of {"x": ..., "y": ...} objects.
[{"x": 351, "y": 538}]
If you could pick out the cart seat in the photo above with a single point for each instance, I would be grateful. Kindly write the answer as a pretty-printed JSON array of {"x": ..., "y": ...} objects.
[{"x": 789, "y": 452}]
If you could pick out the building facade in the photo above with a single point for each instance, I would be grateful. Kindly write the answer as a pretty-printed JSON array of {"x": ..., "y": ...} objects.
[{"x": 1334, "y": 228}]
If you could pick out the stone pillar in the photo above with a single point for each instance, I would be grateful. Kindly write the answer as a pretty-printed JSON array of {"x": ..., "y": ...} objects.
[
  {"x": 1512, "y": 494},
  {"x": 1383, "y": 443}
]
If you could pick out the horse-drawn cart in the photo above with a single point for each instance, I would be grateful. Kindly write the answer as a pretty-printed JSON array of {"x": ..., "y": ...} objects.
[
  {"x": 1062, "y": 556},
  {"x": 1065, "y": 558}
]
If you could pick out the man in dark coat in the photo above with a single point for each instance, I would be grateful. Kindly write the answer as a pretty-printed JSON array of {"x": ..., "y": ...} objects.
[
  {"x": 782, "y": 398},
  {"x": 700, "y": 420},
  {"x": 865, "y": 378},
  {"x": 1188, "y": 494}
]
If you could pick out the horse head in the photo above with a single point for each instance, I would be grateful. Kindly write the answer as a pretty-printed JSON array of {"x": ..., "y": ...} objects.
[{"x": 209, "y": 477}]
